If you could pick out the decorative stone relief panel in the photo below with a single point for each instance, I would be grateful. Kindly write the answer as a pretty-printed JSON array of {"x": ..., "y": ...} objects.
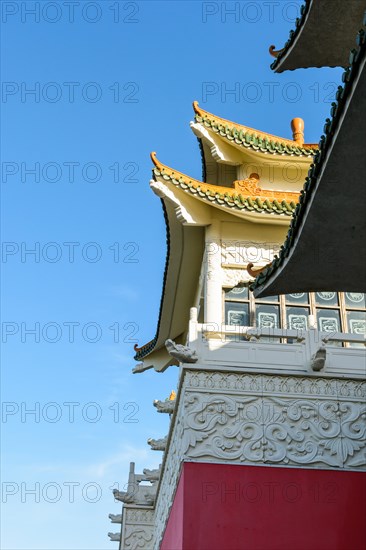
[
  {"x": 241, "y": 253},
  {"x": 169, "y": 477},
  {"x": 232, "y": 277},
  {"x": 138, "y": 538},
  {"x": 239, "y": 418},
  {"x": 269, "y": 430},
  {"x": 274, "y": 420},
  {"x": 137, "y": 528}
]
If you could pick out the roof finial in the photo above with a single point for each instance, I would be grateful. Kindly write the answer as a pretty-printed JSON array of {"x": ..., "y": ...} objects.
[
  {"x": 297, "y": 126},
  {"x": 274, "y": 52},
  {"x": 153, "y": 158},
  {"x": 196, "y": 108},
  {"x": 255, "y": 272}
]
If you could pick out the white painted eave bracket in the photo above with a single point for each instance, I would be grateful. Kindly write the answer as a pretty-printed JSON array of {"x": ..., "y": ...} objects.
[
  {"x": 220, "y": 151},
  {"x": 188, "y": 210},
  {"x": 233, "y": 153}
]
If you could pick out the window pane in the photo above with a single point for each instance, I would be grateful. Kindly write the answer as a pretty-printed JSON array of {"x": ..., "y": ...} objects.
[
  {"x": 237, "y": 293},
  {"x": 297, "y": 318},
  {"x": 355, "y": 299},
  {"x": 299, "y": 298},
  {"x": 267, "y": 299},
  {"x": 328, "y": 320},
  {"x": 326, "y": 298},
  {"x": 237, "y": 314},
  {"x": 267, "y": 316},
  {"x": 356, "y": 322}
]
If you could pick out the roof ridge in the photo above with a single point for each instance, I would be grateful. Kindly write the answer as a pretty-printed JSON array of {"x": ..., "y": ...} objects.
[
  {"x": 239, "y": 193},
  {"x": 259, "y": 133}
]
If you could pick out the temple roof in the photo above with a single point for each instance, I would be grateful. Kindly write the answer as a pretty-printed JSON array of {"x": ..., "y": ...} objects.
[
  {"x": 251, "y": 138},
  {"x": 244, "y": 196},
  {"x": 185, "y": 244},
  {"x": 312, "y": 43},
  {"x": 328, "y": 227}
]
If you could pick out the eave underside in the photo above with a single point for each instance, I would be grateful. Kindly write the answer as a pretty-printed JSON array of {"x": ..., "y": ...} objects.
[
  {"x": 184, "y": 259},
  {"x": 325, "y": 37}
]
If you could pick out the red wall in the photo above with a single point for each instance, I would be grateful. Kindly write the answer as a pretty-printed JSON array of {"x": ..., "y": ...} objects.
[
  {"x": 233, "y": 507},
  {"x": 173, "y": 536}
]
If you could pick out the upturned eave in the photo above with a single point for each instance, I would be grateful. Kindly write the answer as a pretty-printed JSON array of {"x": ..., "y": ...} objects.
[
  {"x": 323, "y": 35},
  {"x": 325, "y": 245}
]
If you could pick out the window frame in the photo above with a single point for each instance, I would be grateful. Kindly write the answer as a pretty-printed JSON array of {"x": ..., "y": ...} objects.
[{"x": 283, "y": 304}]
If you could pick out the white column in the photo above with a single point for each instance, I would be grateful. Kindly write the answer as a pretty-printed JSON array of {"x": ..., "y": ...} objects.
[{"x": 213, "y": 275}]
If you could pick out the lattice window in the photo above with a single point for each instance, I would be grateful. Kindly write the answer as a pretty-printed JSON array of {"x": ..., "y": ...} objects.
[{"x": 334, "y": 311}]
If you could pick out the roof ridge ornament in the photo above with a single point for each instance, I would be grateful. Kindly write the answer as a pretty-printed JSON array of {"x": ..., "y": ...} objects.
[
  {"x": 136, "y": 346},
  {"x": 166, "y": 406},
  {"x": 137, "y": 493},
  {"x": 115, "y": 537},
  {"x": 196, "y": 107},
  {"x": 115, "y": 518},
  {"x": 275, "y": 53},
  {"x": 182, "y": 353},
  {"x": 250, "y": 188},
  {"x": 255, "y": 272},
  {"x": 154, "y": 159},
  {"x": 158, "y": 444},
  {"x": 297, "y": 127},
  {"x": 152, "y": 475}
]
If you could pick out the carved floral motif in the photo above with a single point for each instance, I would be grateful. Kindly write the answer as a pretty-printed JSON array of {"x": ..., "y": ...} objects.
[
  {"x": 140, "y": 538},
  {"x": 241, "y": 253},
  {"x": 233, "y": 277},
  {"x": 169, "y": 479},
  {"x": 268, "y": 429},
  {"x": 136, "y": 515},
  {"x": 250, "y": 187},
  {"x": 246, "y": 418}
]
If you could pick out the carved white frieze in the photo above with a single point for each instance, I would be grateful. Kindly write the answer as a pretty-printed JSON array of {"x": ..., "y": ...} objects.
[
  {"x": 169, "y": 480},
  {"x": 273, "y": 419},
  {"x": 233, "y": 277},
  {"x": 139, "y": 515},
  {"x": 259, "y": 419},
  {"x": 241, "y": 253},
  {"x": 140, "y": 538},
  {"x": 137, "y": 528},
  {"x": 273, "y": 430}
]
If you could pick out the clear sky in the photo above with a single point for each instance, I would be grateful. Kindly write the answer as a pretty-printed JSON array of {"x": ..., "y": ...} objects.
[{"x": 112, "y": 81}]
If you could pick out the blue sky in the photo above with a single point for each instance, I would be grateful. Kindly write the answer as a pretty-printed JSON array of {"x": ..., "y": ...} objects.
[{"x": 113, "y": 81}]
